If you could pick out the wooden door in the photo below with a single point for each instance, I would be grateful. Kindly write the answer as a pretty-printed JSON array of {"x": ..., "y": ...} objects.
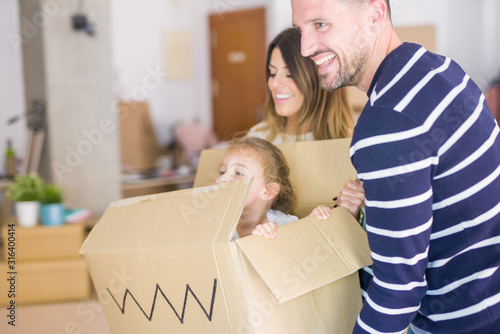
[{"x": 238, "y": 52}]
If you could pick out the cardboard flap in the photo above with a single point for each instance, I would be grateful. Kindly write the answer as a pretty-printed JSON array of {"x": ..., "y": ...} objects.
[
  {"x": 294, "y": 265},
  {"x": 200, "y": 216},
  {"x": 318, "y": 170}
]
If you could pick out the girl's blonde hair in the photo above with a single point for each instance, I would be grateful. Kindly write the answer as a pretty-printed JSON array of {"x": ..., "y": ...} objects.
[
  {"x": 326, "y": 114},
  {"x": 274, "y": 168}
]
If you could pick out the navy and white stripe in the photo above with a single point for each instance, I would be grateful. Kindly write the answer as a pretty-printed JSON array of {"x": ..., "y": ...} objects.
[{"x": 428, "y": 152}]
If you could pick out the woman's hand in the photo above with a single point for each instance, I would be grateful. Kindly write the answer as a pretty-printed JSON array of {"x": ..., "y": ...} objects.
[{"x": 267, "y": 230}]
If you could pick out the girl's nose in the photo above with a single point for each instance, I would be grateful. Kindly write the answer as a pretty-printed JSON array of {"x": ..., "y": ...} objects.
[{"x": 221, "y": 179}]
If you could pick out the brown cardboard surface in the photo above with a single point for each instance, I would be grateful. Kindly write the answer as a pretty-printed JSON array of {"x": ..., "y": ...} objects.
[
  {"x": 139, "y": 146},
  {"x": 46, "y": 281},
  {"x": 315, "y": 254},
  {"x": 42, "y": 242},
  {"x": 165, "y": 262},
  {"x": 314, "y": 183},
  {"x": 424, "y": 35},
  {"x": 179, "y": 250},
  {"x": 173, "y": 219}
]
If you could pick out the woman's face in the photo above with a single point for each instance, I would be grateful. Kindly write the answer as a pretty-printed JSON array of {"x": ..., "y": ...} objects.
[{"x": 286, "y": 95}]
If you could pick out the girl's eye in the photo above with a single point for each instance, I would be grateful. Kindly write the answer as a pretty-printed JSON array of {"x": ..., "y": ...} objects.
[
  {"x": 272, "y": 74},
  {"x": 221, "y": 172},
  {"x": 238, "y": 173}
]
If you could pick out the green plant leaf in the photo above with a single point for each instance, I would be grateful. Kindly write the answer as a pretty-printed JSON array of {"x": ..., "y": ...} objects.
[{"x": 26, "y": 188}]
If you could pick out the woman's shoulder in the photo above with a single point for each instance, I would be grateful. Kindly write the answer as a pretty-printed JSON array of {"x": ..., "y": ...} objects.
[{"x": 260, "y": 130}]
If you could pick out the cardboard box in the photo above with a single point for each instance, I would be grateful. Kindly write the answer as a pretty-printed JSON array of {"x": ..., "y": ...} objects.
[
  {"x": 45, "y": 282},
  {"x": 318, "y": 170},
  {"x": 166, "y": 262},
  {"x": 138, "y": 142},
  {"x": 42, "y": 242}
]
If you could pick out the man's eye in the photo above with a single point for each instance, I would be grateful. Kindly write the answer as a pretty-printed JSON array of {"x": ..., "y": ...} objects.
[{"x": 320, "y": 24}]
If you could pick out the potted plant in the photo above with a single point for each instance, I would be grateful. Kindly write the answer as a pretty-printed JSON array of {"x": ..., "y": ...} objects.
[
  {"x": 26, "y": 191},
  {"x": 52, "y": 207}
]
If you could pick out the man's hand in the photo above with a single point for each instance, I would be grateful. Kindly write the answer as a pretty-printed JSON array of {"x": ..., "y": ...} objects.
[{"x": 351, "y": 197}]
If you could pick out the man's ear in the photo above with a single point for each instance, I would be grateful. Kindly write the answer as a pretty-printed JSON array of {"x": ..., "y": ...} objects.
[
  {"x": 272, "y": 189},
  {"x": 378, "y": 11}
]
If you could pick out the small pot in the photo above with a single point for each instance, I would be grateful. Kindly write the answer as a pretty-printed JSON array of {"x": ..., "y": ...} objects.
[
  {"x": 27, "y": 213},
  {"x": 52, "y": 214}
]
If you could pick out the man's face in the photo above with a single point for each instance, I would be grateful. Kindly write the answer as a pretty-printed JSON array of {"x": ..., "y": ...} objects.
[{"x": 333, "y": 37}]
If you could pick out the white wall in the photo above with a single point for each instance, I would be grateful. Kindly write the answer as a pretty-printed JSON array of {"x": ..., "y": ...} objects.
[
  {"x": 137, "y": 28},
  {"x": 11, "y": 80},
  {"x": 138, "y": 44},
  {"x": 467, "y": 31}
]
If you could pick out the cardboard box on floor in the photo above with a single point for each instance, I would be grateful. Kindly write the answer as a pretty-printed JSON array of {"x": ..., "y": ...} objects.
[
  {"x": 47, "y": 267},
  {"x": 40, "y": 242},
  {"x": 166, "y": 263},
  {"x": 50, "y": 281}
]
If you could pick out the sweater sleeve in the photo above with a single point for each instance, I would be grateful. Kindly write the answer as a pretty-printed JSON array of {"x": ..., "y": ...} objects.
[{"x": 397, "y": 181}]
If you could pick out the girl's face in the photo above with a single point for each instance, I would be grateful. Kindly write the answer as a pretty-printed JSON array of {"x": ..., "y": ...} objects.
[
  {"x": 243, "y": 163},
  {"x": 286, "y": 95}
]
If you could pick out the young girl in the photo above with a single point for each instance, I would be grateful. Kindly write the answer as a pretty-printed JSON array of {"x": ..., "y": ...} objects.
[{"x": 271, "y": 198}]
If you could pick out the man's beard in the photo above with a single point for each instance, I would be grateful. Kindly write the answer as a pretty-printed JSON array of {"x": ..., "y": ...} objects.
[{"x": 349, "y": 73}]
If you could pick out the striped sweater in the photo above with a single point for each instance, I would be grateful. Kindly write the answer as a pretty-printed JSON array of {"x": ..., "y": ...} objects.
[{"x": 427, "y": 149}]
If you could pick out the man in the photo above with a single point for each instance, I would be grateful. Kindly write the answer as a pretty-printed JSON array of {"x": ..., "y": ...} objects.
[{"x": 427, "y": 149}]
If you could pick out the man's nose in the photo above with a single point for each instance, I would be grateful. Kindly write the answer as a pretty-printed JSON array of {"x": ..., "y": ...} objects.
[{"x": 306, "y": 44}]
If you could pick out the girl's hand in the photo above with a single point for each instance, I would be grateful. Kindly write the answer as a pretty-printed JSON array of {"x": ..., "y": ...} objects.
[
  {"x": 322, "y": 212},
  {"x": 267, "y": 230}
]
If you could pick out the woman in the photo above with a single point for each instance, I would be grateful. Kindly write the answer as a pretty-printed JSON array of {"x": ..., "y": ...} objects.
[{"x": 298, "y": 109}]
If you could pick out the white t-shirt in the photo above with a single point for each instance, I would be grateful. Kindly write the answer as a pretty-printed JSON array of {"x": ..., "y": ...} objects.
[
  {"x": 280, "y": 138},
  {"x": 276, "y": 216}
]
